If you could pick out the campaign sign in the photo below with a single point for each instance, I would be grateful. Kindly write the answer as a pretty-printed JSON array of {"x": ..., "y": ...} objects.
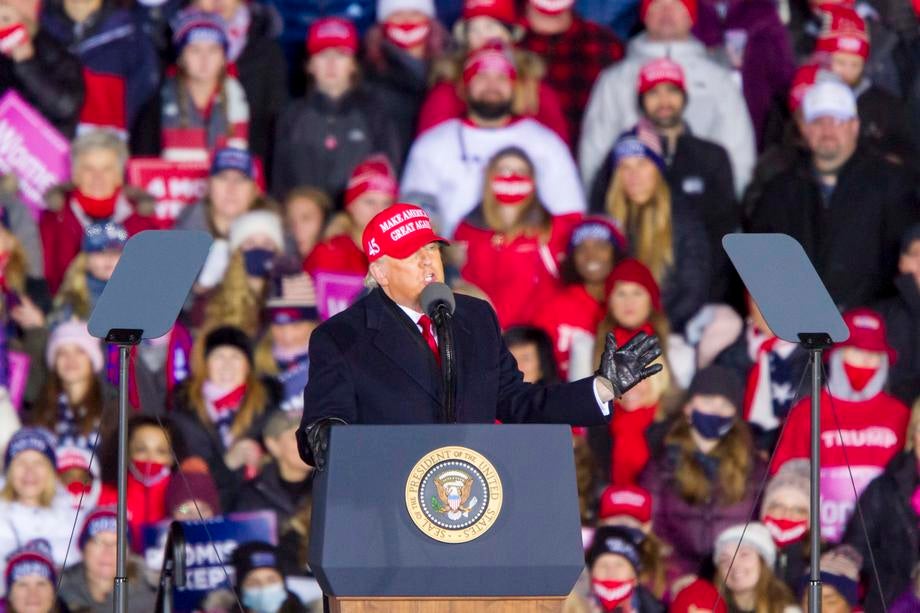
[
  {"x": 838, "y": 500},
  {"x": 335, "y": 292},
  {"x": 32, "y": 150},
  {"x": 208, "y": 543},
  {"x": 18, "y": 364},
  {"x": 174, "y": 185}
]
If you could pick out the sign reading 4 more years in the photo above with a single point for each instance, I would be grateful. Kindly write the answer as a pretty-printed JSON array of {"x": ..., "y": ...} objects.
[{"x": 454, "y": 494}]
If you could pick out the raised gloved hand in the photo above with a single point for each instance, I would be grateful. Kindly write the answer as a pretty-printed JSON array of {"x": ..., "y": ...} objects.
[
  {"x": 626, "y": 366},
  {"x": 313, "y": 444}
]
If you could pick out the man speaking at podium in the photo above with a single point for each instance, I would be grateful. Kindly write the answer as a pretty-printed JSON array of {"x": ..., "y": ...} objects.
[{"x": 379, "y": 361}]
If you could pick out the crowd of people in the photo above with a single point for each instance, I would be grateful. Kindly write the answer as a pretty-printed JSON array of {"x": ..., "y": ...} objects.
[{"x": 585, "y": 162}]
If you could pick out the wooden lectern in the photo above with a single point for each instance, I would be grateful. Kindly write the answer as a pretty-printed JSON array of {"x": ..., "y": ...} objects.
[{"x": 448, "y": 519}]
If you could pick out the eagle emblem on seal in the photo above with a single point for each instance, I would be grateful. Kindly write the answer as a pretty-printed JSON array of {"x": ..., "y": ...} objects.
[{"x": 454, "y": 487}]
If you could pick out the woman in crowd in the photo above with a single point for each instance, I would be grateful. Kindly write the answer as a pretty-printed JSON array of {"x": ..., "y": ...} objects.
[
  {"x": 703, "y": 474},
  {"x": 306, "y": 211},
  {"x": 31, "y": 579},
  {"x": 669, "y": 239},
  {"x": 533, "y": 352},
  {"x": 32, "y": 503},
  {"x": 89, "y": 272},
  {"x": 785, "y": 513},
  {"x": 260, "y": 580},
  {"x": 840, "y": 582},
  {"x": 744, "y": 572},
  {"x": 202, "y": 108},
  {"x": 513, "y": 245},
  {"x": 595, "y": 246},
  {"x": 222, "y": 408},
  {"x": 74, "y": 398},
  {"x": 482, "y": 23},
  {"x": 614, "y": 565},
  {"x": 371, "y": 188},
  {"x": 256, "y": 247},
  {"x": 338, "y": 123},
  {"x": 398, "y": 53},
  {"x": 90, "y": 584}
]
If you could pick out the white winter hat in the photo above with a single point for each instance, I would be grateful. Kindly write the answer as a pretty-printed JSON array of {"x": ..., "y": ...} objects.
[
  {"x": 385, "y": 8},
  {"x": 253, "y": 223},
  {"x": 829, "y": 99},
  {"x": 756, "y": 535},
  {"x": 74, "y": 332}
]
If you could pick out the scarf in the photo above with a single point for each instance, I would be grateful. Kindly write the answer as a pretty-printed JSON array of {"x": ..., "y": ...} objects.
[
  {"x": 97, "y": 208},
  {"x": 222, "y": 406},
  {"x": 623, "y": 335},
  {"x": 67, "y": 429},
  {"x": 769, "y": 391},
  {"x": 629, "y": 451},
  {"x": 294, "y": 367},
  {"x": 237, "y": 33}
]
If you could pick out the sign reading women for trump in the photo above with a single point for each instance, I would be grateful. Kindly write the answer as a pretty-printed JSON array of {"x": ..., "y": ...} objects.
[
  {"x": 31, "y": 150},
  {"x": 209, "y": 547}
]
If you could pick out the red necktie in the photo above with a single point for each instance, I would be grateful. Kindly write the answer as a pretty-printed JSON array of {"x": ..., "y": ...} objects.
[{"x": 425, "y": 322}]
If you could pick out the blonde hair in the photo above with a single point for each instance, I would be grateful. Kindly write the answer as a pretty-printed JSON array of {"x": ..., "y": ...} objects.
[
  {"x": 912, "y": 426},
  {"x": 771, "y": 594},
  {"x": 234, "y": 302},
  {"x": 15, "y": 272},
  {"x": 254, "y": 402},
  {"x": 45, "y": 498},
  {"x": 74, "y": 292},
  {"x": 533, "y": 218},
  {"x": 735, "y": 463},
  {"x": 648, "y": 224}
]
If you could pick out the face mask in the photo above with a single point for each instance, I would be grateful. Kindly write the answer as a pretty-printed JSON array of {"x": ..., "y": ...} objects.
[
  {"x": 407, "y": 35},
  {"x": 512, "y": 189},
  {"x": 148, "y": 473},
  {"x": 97, "y": 208},
  {"x": 611, "y": 594},
  {"x": 859, "y": 377},
  {"x": 258, "y": 262},
  {"x": 12, "y": 36},
  {"x": 552, "y": 7},
  {"x": 711, "y": 427},
  {"x": 265, "y": 599},
  {"x": 786, "y": 531}
]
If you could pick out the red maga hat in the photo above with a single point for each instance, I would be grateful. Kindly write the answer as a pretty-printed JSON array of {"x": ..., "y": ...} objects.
[
  {"x": 867, "y": 332},
  {"x": 626, "y": 500},
  {"x": 661, "y": 70},
  {"x": 332, "y": 33},
  {"x": 398, "y": 231}
]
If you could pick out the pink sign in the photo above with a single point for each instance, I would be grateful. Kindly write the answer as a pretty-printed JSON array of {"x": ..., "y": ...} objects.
[
  {"x": 174, "y": 185},
  {"x": 31, "y": 150},
  {"x": 335, "y": 292},
  {"x": 18, "y": 364},
  {"x": 838, "y": 500}
]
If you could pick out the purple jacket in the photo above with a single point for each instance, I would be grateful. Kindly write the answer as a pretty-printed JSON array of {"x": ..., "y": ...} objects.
[
  {"x": 692, "y": 529},
  {"x": 768, "y": 62}
]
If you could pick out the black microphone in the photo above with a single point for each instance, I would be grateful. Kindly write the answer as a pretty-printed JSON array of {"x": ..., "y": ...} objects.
[{"x": 438, "y": 301}]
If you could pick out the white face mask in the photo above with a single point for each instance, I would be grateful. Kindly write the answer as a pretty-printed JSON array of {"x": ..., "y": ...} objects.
[{"x": 267, "y": 599}]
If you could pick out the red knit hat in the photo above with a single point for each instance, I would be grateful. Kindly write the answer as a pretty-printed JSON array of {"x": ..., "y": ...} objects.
[
  {"x": 332, "y": 33},
  {"x": 842, "y": 31},
  {"x": 867, "y": 332},
  {"x": 658, "y": 71},
  {"x": 374, "y": 174},
  {"x": 492, "y": 57},
  {"x": 628, "y": 500},
  {"x": 500, "y": 10},
  {"x": 634, "y": 271},
  {"x": 690, "y": 5},
  {"x": 700, "y": 595}
]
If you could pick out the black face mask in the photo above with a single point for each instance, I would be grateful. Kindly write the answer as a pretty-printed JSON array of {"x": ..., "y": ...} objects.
[{"x": 490, "y": 110}]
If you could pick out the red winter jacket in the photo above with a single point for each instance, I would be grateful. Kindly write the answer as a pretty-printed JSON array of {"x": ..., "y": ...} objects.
[
  {"x": 572, "y": 310},
  {"x": 337, "y": 254},
  {"x": 62, "y": 229},
  {"x": 520, "y": 275},
  {"x": 443, "y": 103}
]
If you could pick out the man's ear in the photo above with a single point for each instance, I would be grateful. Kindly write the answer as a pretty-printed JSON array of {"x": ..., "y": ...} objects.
[
  {"x": 272, "y": 445},
  {"x": 378, "y": 270}
]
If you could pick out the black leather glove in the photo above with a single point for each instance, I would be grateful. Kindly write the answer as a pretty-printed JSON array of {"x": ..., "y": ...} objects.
[
  {"x": 626, "y": 366},
  {"x": 313, "y": 443}
]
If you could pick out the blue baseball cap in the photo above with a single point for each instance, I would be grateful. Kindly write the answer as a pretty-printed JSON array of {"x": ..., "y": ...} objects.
[{"x": 230, "y": 158}]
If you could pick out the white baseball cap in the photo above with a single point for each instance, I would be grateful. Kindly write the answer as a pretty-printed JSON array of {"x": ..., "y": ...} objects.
[{"x": 829, "y": 99}]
